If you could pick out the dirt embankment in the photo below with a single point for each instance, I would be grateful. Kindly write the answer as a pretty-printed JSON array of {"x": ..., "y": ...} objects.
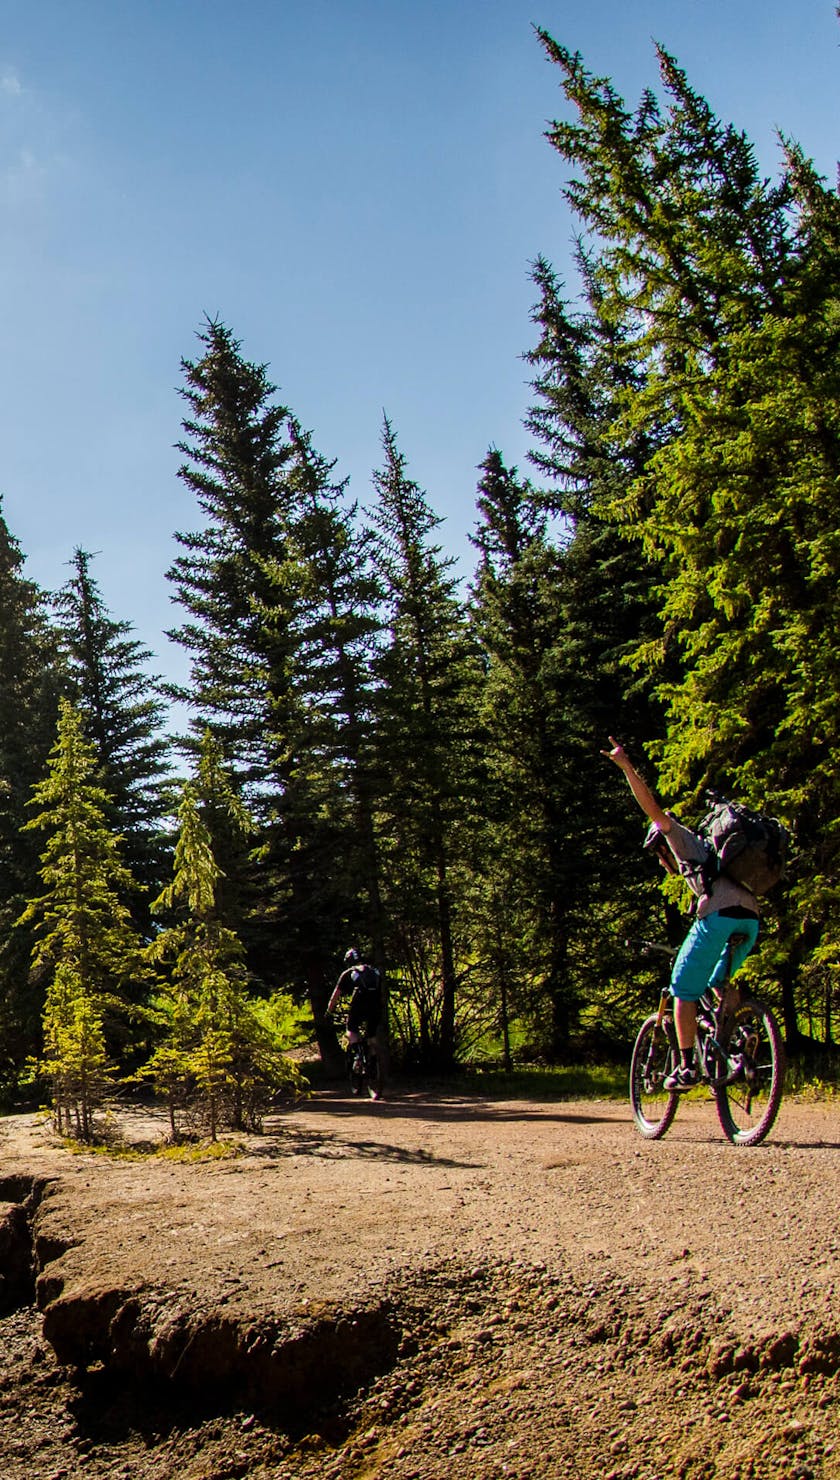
[{"x": 422, "y": 1288}]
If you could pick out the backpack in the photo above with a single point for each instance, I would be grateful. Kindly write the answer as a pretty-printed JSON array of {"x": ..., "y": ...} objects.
[
  {"x": 365, "y": 980},
  {"x": 747, "y": 846}
]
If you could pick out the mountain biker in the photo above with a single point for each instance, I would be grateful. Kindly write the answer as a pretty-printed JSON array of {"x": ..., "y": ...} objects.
[
  {"x": 723, "y": 909},
  {"x": 364, "y": 984}
]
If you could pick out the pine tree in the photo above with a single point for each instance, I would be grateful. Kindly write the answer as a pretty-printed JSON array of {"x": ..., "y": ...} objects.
[
  {"x": 725, "y": 287},
  {"x": 426, "y": 728},
  {"x": 215, "y": 1046},
  {"x": 606, "y": 601},
  {"x": 30, "y": 681},
  {"x": 280, "y": 634},
  {"x": 236, "y": 463},
  {"x": 75, "y": 1057},
  {"x": 124, "y": 712},
  {"x": 342, "y": 633},
  {"x": 86, "y": 949}
]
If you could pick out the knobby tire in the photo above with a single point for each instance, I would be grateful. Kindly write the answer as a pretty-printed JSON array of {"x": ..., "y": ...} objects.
[
  {"x": 747, "y": 1107},
  {"x": 654, "y": 1056}
]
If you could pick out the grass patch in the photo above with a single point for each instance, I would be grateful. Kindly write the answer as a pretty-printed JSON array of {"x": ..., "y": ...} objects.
[
  {"x": 187, "y": 1151},
  {"x": 543, "y": 1082}
]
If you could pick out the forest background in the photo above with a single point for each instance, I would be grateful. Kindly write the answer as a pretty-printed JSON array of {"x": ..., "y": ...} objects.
[{"x": 381, "y": 752}]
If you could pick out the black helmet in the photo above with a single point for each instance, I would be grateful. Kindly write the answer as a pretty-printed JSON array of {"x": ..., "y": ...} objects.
[{"x": 351, "y": 956}]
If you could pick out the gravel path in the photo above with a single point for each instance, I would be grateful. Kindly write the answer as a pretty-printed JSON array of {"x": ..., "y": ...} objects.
[{"x": 530, "y": 1289}]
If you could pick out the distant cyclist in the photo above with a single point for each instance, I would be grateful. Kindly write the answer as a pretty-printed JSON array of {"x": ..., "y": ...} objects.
[
  {"x": 724, "y": 909},
  {"x": 364, "y": 984}
]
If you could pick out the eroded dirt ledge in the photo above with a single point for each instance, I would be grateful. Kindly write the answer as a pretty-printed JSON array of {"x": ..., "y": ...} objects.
[{"x": 383, "y": 1271}]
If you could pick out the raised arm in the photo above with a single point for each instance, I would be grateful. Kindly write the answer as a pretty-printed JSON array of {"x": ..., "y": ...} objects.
[{"x": 640, "y": 789}]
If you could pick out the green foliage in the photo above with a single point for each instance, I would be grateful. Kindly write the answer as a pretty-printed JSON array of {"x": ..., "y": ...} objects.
[
  {"x": 80, "y": 916},
  {"x": 721, "y": 290},
  {"x": 75, "y": 1057},
  {"x": 86, "y": 948},
  {"x": 30, "y": 679},
  {"x": 218, "y": 1055},
  {"x": 426, "y": 736},
  {"x": 108, "y": 680},
  {"x": 280, "y": 634}
]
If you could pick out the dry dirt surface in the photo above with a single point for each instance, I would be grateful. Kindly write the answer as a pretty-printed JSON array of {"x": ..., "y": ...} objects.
[{"x": 426, "y": 1287}]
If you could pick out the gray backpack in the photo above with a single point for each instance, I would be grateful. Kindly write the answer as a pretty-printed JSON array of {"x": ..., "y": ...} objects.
[{"x": 749, "y": 847}]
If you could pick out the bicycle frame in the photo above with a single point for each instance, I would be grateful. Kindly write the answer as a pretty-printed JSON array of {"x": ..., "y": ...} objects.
[{"x": 739, "y": 1057}]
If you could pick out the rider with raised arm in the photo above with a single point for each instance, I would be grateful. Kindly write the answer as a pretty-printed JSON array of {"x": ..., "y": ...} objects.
[{"x": 723, "y": 909}]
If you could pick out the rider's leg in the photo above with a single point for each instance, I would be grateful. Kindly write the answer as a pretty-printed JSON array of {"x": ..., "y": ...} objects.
[
  {"x": 685, "y": 1022},
  {"x": 747, "y": 930},
  {"x": 702, "y": 961}
]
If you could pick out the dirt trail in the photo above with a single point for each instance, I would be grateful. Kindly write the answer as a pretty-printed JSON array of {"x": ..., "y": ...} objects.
[{"x": 426, "y": 1287}]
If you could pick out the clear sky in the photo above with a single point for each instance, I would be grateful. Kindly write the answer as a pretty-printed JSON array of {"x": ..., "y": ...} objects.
[{"x": 356, "y": 187}]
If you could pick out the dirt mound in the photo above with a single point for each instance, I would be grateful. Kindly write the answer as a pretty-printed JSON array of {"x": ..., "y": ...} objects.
[{"x": 428, "y": 1287}]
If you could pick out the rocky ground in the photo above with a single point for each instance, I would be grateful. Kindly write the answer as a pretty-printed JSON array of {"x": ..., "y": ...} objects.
[{"x": 427, "y": 1287}]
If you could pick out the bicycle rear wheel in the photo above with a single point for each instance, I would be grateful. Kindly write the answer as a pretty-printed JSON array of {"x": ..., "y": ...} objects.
[
  {"x": 374, "y": 1075},
  {"x": 358, "y": 1073},
  {"x": 654, "y": 1056},
  {"x": 753, "y": 1061}
]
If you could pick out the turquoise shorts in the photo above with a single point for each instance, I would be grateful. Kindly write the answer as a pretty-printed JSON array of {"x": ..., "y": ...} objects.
[{"x": 701, "y": 962}]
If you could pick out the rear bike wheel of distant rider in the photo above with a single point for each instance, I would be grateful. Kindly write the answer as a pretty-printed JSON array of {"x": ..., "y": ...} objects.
[
  {"x": 357, "y": 1074},
  {"x": 374, "y": 1075},
  {"x": 753, "y": 1053},
  {"x": 654, "y": 1056}
]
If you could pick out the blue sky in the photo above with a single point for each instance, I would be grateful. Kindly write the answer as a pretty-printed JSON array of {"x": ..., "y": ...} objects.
[{"x": 356, "y": 187}]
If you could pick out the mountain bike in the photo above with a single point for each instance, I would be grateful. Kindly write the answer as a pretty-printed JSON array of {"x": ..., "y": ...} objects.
[
  {"x": 739, "y": 1057},
  {"x": 363, "y": 1066}
]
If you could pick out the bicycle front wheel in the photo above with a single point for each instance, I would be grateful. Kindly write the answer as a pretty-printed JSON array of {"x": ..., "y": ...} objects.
[
  {"x": 752, "y": 1072},
  {"x": 654, "y": 1056}
]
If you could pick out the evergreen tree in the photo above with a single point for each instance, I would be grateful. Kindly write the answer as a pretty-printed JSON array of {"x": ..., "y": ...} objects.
[
  {"x": 606, "y": 602},
  {"x": 426, "y": 728},
  {"x": 216, "y": 1047},
  {"x": 124, "y": 712},
  {"x": 725, "y": 287},
  {"x": 279, "y": 639},
  {"x": 556, "y": 842},
  {"x": 342, "y": 635},
  {"x": 29, "y": 686},
  {"x": 239, "y": 580},
  {"x": 75, "y": 1057},
  {"x": 236, "y": 463},
  {"x": 86, "y": 949}
]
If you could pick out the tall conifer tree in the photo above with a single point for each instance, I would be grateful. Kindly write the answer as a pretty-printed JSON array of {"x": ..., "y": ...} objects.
[
  {"x": 125, "y": 715},
  {"x": 427, "y": 713},
  {"x": 87, "y": 951},
  {"x": 725, "y": 287},
  {"x": 30, "y": 683},
  {"x": 276, "y": 634}
]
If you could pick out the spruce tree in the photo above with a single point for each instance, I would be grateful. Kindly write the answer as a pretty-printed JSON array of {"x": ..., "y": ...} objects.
[
  {"x": 30, "y": 682},
  {"x": 215, "y": 1048},
  {"x": 427, "y": 737},
  {"x": 124, "y": 716},
  {"x": 279, "y": 637},
  {"x": 724, "y": 285},
  {"x": 342, "y": 627},
  {"x": 87, "y": 952},
  {"x": 606, "y": 602}
]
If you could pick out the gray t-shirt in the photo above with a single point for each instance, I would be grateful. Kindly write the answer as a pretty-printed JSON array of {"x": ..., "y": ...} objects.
[{"x": 688, "y": 848}]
